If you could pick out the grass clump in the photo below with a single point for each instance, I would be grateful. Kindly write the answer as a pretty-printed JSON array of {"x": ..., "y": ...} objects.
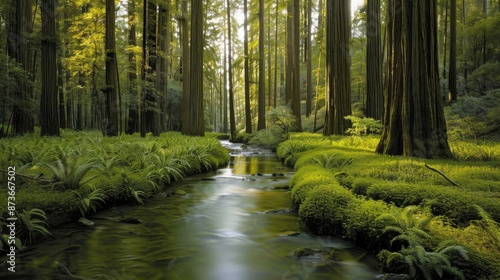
[
  {"x": 400, "y": 205},
  {"x": 78, "y": 173}
]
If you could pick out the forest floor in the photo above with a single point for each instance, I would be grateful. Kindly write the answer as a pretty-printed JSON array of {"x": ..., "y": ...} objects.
[
  {"x": 439, "y": 216},
  {"x": 55, "y": 180},
  {"x": 421, "y": 216}
]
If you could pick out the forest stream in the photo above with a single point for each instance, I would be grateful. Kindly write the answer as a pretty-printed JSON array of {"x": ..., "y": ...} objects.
[{"x": 231, "y": 224}]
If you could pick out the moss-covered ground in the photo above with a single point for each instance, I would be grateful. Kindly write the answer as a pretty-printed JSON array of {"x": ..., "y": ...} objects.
[
  {"x": 81, "y": 172},
  {"x": 400, "y": 207}
]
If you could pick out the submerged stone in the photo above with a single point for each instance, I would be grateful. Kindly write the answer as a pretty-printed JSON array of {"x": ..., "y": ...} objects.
[
  {"x": 180, "y": 192},
  {"x": 86, "y": 222},
  {"x": 278, "y": 211}
]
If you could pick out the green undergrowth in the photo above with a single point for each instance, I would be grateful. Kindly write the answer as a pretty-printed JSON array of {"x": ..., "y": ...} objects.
[
  {"x": 81, "y": 172},
  {"x": 342, "y": 187}
]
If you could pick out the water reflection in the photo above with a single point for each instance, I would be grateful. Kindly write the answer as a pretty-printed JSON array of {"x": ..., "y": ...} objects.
[{"x": 216, "y": 232}]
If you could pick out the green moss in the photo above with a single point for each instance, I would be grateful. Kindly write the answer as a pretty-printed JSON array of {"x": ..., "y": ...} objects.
[
  {"x": 385, "y": 184},
  {"x": 325, "y": 209}
]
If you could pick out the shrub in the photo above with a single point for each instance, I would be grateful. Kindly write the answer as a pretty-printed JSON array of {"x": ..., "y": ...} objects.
[
  {"x": 363, "y": 126},
  {"x": 362, "y": 225},
  {"x": 325, "y": 209}
]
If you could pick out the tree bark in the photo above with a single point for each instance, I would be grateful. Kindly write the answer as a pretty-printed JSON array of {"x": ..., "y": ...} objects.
[
  {"x": 295, "y": 66},
  {"x": 338, "y": 73},
  {"x": 20, "y": 29},
  {"x": 111, "y": 112},
  {"x": 415, "y": 123},
  {"x": 133, "y": 118},
  {"x": 248, "y": 112},
  {"x": 261, "y": 123},
  {"x": 49, "y": 115},
  {"x": 185, "y": 68},
  {"x": 374, "y": 87},
  {"x": 162, "y": 64},
  {"x": 232, "y": 120},
  {"x": 308, "y": 52},
  {"x": 196, "y": 122},
  {"x": 452, "y": 80}
]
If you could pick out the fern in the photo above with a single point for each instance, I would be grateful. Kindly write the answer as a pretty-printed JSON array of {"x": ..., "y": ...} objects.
[
  {"x": 410, "y": 227},
  {"x": 33, "y": 222},
  {"x": 72, "y": 175},
  {"x": 489, "y": 225},
  {"x": 138, "y": 195},
  {"x": 91, "y": 201},
  {"x": 422, "y": 264}
]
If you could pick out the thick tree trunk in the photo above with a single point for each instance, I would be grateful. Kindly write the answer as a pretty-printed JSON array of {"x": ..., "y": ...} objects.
[
  {"x": 248, "y": 112},
  {"x": 415, "y": 123},
  {"x": 308, "y": 51},
  {"x": 133, "y": 118},
  {"x": 289, "y": 52},
  {"x": 185, "y": 67},
  {"x": 49, "y": 115},
  {"x": 276, "y": 55},
  {"x": 162, "y": 64},
  {"x": 20, "y": 30},
  {"x": 196, "y": 122},
  {"x": 111, "y": 112},
  {"x": 261, "y": 124},
  {"x": 452, "y": 80},
  {"x": 232, "y": 119},
  {"x": 338, "y": 81},
  {"x": 295, "y": 66},
  {"x": 374, "y": 87}
]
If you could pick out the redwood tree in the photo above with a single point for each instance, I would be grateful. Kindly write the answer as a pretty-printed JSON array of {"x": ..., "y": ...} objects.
[
  {"x": 195, "y": 122},
  {"x": 374, "y": 87},
  {"x": 110, "y": 126},
  {"x": 338, "y": 73},
  {"x": 49, "y": 115},
  {"x": 261, "y": 123},
  {"x": 19, "y": 26},
  {"x": 415, "y": 123}
]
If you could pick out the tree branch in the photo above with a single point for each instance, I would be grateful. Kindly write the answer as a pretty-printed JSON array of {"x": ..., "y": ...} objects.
[{"x": 444, "y": 176}]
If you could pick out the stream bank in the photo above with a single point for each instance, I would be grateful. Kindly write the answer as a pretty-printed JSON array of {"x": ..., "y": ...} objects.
[{"x": 233, "y": 223}]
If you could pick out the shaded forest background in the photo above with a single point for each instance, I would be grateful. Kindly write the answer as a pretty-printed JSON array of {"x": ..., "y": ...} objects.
[{"x": 125, "y": 67}]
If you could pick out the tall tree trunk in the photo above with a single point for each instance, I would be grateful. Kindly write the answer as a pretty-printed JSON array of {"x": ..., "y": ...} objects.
[
  {"x": 374, "y": 87},
  {"x": 162, "y": 63},
  {"x": 248, "y": 112},
  {"x": 196, "y": 122},
  {"x": 225, "y": 120},
  {"x": 464, "y": 41},
  {"x": 308, "y": 51},
  {"x": 152, "y": 98},
  {"x": 415, "y": 123},
  {"x": 20, "y": 29},
  {"x": 232, "y": 120},
  {"x": 269, "y": 55},
  {"x": 49, "y": 115},
  {"x": 276, "y": 54},
  {"x": 261, "y": 124},
  {"x": 445, "y": 38},
  {"x": 338, "y": 74},
  {"x": 111, "y": 110},
  {"x": 289, "y": 52},
  {"x": 295, "y": 67},
  {"x": 319, "y": 42},
  {"x": 60, "y": 76},
  {"x": 452, "y": 80},
  {"x": 133, "y": 118},
  {"x": 186, "y": 102},
  {"x": 143, "y": 68}
]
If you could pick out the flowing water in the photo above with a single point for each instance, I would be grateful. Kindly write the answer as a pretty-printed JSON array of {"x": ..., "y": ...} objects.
[{"x": 218, "y": 230}]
